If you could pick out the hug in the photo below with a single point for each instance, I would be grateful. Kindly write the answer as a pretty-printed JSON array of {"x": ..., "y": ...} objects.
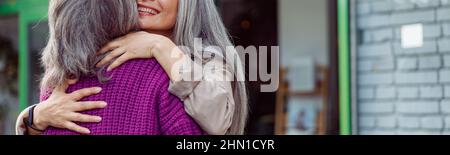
[{"x": 116, "y": 67}]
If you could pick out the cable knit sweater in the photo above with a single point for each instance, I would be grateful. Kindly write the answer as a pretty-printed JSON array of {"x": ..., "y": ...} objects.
[{"x": 138, "y": 103}]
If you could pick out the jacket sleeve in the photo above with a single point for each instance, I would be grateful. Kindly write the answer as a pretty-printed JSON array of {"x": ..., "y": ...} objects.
[
  {"x": 20, "y": 126},
  {"x": 208, "y": 99}
]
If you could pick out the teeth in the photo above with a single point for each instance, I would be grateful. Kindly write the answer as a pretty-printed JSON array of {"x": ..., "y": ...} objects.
[{"x": 147, "y": 10}]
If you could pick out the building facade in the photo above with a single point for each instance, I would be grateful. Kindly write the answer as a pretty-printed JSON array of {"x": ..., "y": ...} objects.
[{"x": 402, "y": 89}]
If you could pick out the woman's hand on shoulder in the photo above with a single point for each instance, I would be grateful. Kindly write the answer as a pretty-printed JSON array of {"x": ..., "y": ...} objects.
[
  {"x": 136, "y": 45},
  {"x": 61, "y": 110}
]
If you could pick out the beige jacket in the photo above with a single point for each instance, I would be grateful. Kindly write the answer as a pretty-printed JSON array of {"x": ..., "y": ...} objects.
[{"x": 207, "y": 99}]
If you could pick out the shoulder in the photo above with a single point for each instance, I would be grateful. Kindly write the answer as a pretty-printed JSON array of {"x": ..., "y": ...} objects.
[
  {"x": 140, "y": 66},
  {"x": 145, "y": 71},
  {"x": 45, "y": 94}
]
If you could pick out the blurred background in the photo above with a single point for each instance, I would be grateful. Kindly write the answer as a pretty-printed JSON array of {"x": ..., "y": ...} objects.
[{"x": 347, "y": 66}]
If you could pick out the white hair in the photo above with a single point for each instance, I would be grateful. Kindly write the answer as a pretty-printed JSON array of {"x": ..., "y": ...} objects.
[
  {"x": 200, "y": 19},
  {"x": 79, "y": 28}
]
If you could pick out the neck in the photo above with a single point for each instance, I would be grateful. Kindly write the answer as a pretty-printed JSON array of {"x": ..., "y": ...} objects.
[{"x": 167, "y": 33}]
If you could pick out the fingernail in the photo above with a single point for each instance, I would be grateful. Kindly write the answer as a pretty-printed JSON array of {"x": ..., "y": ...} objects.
[
  {"x": 98, "y": 89},
  {"x": 98, "y": 119},
  {"x": 104, "y": 104}
]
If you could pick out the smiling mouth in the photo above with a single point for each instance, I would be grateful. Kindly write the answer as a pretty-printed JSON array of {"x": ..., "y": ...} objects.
[{"x": 147, "y": 11}]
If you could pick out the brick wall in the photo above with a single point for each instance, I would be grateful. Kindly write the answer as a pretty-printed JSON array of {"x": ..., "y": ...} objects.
[{"x": 403, "y": 91}]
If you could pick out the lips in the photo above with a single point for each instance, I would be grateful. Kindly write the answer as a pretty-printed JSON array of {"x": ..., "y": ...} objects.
[{"x": 147, "y": 10}]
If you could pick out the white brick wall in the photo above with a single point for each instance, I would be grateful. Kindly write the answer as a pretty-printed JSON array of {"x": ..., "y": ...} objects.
[
  {"x": 367, "y": 122},
  {"x": 387, "y": 122},
  {"x": 408, "y": 92},
  {"x": 376, "y": 108},
  {"x": 414, "y": 17},
  {"x": 428, "y": 47},
  {"x": 403, "y": 5},
  {"x": 418, "y": 132},
  {"x": 366, "y": 93},
  {"x": 378, "y": 132},
  {"x": 409, "y": 122},
  {"x": 382, "y": 6},
  {"x": 417, "y": 107},
  {"x": 445, "y": 106},
  {"x": 447, "y": 61},
  {"x": 408, "y": 63},
  {"x": 431, "y": 92},
  {"x": 445, "y": 2},
  {"x": 386, "y": 93},
  {"x": 376, "y": 50},
  {"x": 363, "y": 8},
  {"x": 373, "y": 21},
  {"x": 443, "y": 14},
  {"x": 430, "y": 62},
  {"x": 382, "y": 35},
  {"x": 444, "y": 76},
  {"x": 419, "y": 77},
  {"x": 403, "y": 91},
  {"x": 446, "y": 29},
  {"x": 447, "y": 91},
  {"x": 427, "y": 4},
  {"x": 432, "y": 31},
  {"x": 447, "y": 123},
  {"x": 444, "y": 45},
  {"x": 376, "y": 64},
  {"x": 432, "y": 122},
  {"x": 376, "y": 79}
]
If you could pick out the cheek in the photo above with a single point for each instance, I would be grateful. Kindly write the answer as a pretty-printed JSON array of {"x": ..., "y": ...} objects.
[
  {"x": 161, "y": 22},
  {"x": 172, "y": 11},
  {"x": 171, "y": 19}
]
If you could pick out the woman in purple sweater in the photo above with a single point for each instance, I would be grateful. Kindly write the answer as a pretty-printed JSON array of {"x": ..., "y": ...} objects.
[{"x": 137, "y": 96}]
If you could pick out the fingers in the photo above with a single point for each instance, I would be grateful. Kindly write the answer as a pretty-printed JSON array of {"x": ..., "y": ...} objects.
[
  {"x": 76, "y": 117},
  {"x": 114, "y": 54},
  {"x": 79, "y": 94},
  {"x": 119, "y": 61},
  {"x": 89, "y": 105},
  {"x": 109, "y": 47},
  {"x": 74, "y": 127}
]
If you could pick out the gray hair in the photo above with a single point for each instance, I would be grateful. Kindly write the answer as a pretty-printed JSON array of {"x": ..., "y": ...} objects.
[
  {"x": 78, "y": 29},
  {"x": 200, "y": 19}
]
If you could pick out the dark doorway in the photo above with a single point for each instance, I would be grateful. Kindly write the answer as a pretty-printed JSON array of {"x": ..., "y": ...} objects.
[{"x": 254, "y": 23}]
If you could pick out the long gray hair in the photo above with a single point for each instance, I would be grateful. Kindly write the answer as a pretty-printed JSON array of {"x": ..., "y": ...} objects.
[
  {"x": 79, "y": 28},
  {"x": 200, "y": 19}
]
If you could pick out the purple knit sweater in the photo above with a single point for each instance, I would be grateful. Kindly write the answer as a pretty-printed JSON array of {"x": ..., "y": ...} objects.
[{"x": 138, "y": 103}]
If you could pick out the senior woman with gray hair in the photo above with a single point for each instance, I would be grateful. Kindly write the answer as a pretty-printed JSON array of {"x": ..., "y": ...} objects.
[
  {"x": 138, "y": 101},
  {"x": 209, "y": 80}
]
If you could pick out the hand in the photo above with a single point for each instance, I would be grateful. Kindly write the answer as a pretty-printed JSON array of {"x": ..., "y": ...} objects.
[
  {"x": 60, "y": 110},
  {"x": 138, "y": 45}
]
